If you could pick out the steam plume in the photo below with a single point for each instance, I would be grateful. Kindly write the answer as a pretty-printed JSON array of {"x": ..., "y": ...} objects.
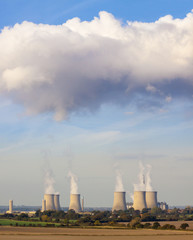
[
  {"x": 119, "y": 183},
  {"x": 49, "y": 182},
  {"x": 140, "y": 186},
  {"x": 148, "y": 178},
  {"x": 73, "y": 183}
]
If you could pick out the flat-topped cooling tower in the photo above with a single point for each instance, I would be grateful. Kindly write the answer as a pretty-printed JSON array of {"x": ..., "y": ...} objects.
[
  {"x": 151, "y": 199},
  {"x": 57, "y": 202},
  {"x": 49, "y": 201},
  {"x": 139, "y": 200},
  {"x": 119, "y": 201},
  {"x": 75, "y": 202}
]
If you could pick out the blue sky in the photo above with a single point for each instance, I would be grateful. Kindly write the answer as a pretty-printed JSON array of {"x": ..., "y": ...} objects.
[{"x": 103, "y": 128}]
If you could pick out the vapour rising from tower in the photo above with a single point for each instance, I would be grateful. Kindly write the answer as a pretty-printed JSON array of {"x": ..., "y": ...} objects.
[
  {"x": 119, "y": 182},
  {"x": 140, "y": 186},
  {"x": 148, "y": 178},
  {"x": 151, "y": 196},
  {"x": 119, "y": 202},
  {"x": 51, "y": 198},
  {"x": 73, "y": 183},
  {"x": 139, "y": 198},
  {"x": 49, "y": 182},
  {"x": 74, "y": 195}
]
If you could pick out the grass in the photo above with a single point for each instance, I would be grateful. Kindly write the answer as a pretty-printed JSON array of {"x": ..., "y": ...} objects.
[{"x": 7, "y": 222}]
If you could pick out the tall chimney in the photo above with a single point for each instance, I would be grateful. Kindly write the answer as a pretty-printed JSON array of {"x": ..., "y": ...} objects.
[
  {"x": 57, "y": 202},
  {"x": 82, "y": 204},
  {"x": 49, "y": 201},
  {"x": 10, "y": 206},
  {"x": 139, "y": 200},
  {"x": 75, "y": 202},
  {"x": 151, "y": 199},
  {"x": 119, "y": 201}
]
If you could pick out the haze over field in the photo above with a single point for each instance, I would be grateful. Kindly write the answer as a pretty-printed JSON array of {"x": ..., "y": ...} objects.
[{"x": 88, "y": 86}]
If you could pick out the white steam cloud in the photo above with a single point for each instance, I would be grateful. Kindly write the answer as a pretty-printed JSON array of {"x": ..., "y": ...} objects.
[
  {"x": 148, "y": 178},
  {"x": 73, "y": 183},
  {"x": 140, "y": 186},
  {"x": 49, "y": 182},
  {"x": 119, "y": 182},
  {"x": 144, "y": 183},
  {"x": 80, "y": 65}
]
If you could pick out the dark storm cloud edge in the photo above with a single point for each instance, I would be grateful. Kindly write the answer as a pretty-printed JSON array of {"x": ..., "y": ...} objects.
[{"x": 78, "y": 66}]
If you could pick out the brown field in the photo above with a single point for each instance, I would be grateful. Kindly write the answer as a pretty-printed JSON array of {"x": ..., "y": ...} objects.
[
  {"x": 26, "y": 233},
  {"x": 178, "y": 223}
]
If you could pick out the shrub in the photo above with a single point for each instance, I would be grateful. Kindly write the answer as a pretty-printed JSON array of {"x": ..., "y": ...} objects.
[
  {"x": 184, "y": 226},
  {"x": 156, "y": 225},
  {"x": 166, "y": 226},
  {"x": 97, "y": 223},
  {"x": 135, "y": 222},
  {"x": 147, "y": 225}
]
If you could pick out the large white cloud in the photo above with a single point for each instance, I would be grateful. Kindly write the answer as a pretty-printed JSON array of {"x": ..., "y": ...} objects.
[{"x": 80, "y": 65}]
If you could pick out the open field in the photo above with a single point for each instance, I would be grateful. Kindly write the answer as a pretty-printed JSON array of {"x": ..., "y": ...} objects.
[
  {"x": 7, "y": 222},
  {"x": 26, "y": 233}
]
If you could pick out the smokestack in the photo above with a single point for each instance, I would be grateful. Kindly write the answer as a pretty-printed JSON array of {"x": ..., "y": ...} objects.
[
  {"x": 43, "y": 205},
  {"x": 49, "y": 201},
  {"x": 83, "y": 204},
  {"x": 57, "y": 202},
  {"x": 10, "y": 206},
  {"x": 151, "y": 199},
  {"x": 139, "y": 200},
  {"x": 119, "y": 201},
  {"x": 75, "y": 202}
]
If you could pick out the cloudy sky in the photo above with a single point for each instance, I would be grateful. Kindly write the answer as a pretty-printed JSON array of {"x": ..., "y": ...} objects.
[{"x": 95, "y": 87}]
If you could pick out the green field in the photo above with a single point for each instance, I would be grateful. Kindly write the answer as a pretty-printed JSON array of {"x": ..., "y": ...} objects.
[{"x": 7, "y": 222}]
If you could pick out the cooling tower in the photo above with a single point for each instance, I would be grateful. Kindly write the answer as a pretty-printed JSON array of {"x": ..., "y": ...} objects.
[
  {"x": 119, "y": 201},
  {"x": 10, "y": 206},
  {"x": 75, "y": 202},
  {"x": 151, "y": 199},
  {"x": 57, "y": 202},
  {"x": 49, "y": 201},
  {"x": 139, "y": 200},
  {"x": 43, "y": 205}
]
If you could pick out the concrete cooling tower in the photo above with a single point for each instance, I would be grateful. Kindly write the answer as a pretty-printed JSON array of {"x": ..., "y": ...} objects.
[
  {"x": 139, "y": 200},
  {"x": 49, "y": 201},
  {"x": 151, "y": 199},
  {"x": 75, "y": 202},
  {"x": 119, "y": 201},
  {"x": 57, "y": 202}
]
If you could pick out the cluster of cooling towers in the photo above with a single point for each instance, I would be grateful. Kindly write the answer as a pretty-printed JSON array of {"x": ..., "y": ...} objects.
[
  {"x": 141, "y": 200},
  {"x": 52, "y": 202}
]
